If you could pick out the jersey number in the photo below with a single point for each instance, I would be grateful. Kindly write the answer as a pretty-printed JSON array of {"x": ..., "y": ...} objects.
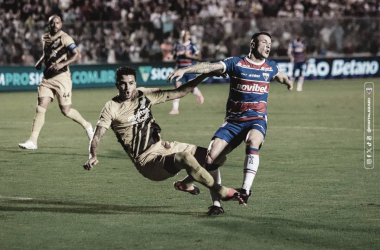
[{"x": 66, "y": 95}]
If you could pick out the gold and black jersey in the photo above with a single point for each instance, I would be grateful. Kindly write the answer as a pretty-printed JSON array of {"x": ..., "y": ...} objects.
[
  {"x": 133, "y": 122},
  {"x": 57, "y": 49}
]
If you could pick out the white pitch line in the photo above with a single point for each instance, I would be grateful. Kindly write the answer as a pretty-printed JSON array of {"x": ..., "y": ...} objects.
[
  {"x": 316, "y": 128},
  {"x": 15, "y": 198}
]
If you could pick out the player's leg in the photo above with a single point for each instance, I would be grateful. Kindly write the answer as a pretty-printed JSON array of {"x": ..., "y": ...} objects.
[
  {"x": 38, "y": 123},
  {"x": 185, "y": 160},
  {"x": 76, "y": 116},
  {"x": 200, "y": 154},
  {"x": 300, "y": 79},
  {"x": 254, "y": 139},
  {"x": 293, "y": 78},
  {"x": 196, "y": 91},
  {"x": 216, "y": 155},
  {"x": 175, "y": 109}
]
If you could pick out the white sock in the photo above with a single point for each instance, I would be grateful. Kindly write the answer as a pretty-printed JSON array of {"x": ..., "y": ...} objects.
[
  {"x": 251, "y": 164},
  {"x": 175, "y": 104},
  {"x": 196, "y": 91},
  {"x": 300, "y": 82},
  {"x": 292, "y": 79},
  {"x": 215, "y": 196}
]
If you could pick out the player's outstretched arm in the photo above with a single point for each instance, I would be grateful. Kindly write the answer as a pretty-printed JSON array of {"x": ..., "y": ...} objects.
[
  {"x": 200, "y": 68},
  {"x": 148, "y": 90},
  {"x": 99, "y": 132},
  {"x": 283, "y": 79},
  {"x": 186, "y": 88}
]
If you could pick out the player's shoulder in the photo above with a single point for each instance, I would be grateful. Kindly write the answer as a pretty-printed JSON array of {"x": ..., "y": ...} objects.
[
  {"x": 233, "y": 58},
  {"x": 270, "y": 62}
]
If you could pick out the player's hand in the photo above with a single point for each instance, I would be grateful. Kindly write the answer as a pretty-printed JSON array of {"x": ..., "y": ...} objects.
[
  {"x": 289, "y": 84},
  {"x": 56, "y": 66},
  {"x": 166, "y": 144},
  {"x": 91, "y": 163},
  {"x": 176, "y": 75},
  {"x": 188, "y": 54}
]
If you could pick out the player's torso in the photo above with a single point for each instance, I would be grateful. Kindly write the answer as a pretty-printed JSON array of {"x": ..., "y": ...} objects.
[
  {"x": 55, "y": 52},
  {"x": 180, "y": 50},
  {"x": 134, "y": 125},
  {"x": 249, "y": 87},
  {"x": 298, "y": 49}
]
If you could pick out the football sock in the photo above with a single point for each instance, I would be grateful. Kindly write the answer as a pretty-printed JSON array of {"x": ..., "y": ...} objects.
[
  {"x": 196, "y": 91},
  {"x": 76, "y": 117},
  {"x": 188, "y": 162},
  {"x": 175, "y": 104},
  {"x": 300, "y": 82},
  {"x": 38, "y": 122},
  {"x": 251, "y": 164},
  {"x": 215, "y": 196}
]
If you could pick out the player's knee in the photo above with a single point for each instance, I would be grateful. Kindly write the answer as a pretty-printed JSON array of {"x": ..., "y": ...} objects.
[
  {"x": 183, "y": 159},
  {"x": 221, "y": 160},
  {"x": 65, "y": 111},
  {"x": 40, "y": 109}
]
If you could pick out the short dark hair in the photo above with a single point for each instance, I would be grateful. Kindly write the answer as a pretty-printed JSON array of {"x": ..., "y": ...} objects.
[
  {"x": 124, "y": 71},
  {"x": 256, "y": 36}
]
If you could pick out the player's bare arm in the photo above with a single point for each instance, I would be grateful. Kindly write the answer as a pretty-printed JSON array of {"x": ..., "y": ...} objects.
[
  {"x": 283, "y": 79},
  {"x": 201, "y": 68},
  {"x": 99, "y": 133},
  {"x": 148, "y": 90},
  {"x": 184, "y": 89},
  {"x": 76, "y": 56},
  {"x": 38, "y": 65}
]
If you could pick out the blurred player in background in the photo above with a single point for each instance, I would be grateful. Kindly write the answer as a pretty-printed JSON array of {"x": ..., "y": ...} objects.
[
  {"x": 129, "y": 115},
  {"x": 185, "y": 53},
  {"x": 59, "y": 52},
  {"x": 297, "y": 54},
  {"x": 246, "y": 114}
]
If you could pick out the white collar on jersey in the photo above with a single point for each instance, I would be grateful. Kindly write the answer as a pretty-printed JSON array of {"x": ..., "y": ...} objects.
[{"x": 255, "y": 63}]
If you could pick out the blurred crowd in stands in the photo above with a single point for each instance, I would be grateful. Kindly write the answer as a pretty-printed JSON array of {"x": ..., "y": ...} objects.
[{"x": 111, "y": 31}]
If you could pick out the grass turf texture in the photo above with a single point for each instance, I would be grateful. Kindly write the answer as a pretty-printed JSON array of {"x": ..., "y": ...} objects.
[{"x": 311, "y": 191}]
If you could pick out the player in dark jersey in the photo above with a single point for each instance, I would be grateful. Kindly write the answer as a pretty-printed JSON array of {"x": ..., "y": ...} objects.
[
  {"x": 246, "y": 114},
  {"x": 59, "y": 52},
  {"x": 129, "y": 115},
  {"x": 185, "y": 53},
  {"x": 297, "y": 54}
]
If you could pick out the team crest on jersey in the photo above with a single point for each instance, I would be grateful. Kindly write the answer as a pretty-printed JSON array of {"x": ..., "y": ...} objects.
[
  {"x": 369, "y": 90},
  {"x": 266, "y": 76}
]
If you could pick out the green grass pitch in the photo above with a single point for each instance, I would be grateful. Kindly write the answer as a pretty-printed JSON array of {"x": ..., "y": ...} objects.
[{"x": 311, "y": 190}]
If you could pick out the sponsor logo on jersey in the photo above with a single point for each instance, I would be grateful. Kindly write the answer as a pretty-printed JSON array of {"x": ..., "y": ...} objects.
[
  {"x": 254, "y": 75},
  {"x": 56, "y": 43},
  {"x": 369, "y": 90},
  {"x": 266, "y": 68},
  {"x": 266, "y": 76},
  {"x": 252, "y": 88},
  {"x": 141, "y": 116}
]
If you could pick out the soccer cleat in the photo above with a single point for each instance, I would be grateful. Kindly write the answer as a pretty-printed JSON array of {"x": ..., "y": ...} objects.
[
  {"x": 174, "y": 112},
  {"x": 28, "y": 145},
  {"x": 244, "y": 194},
  {"x": 90, "y": 132},
  {"x": 201, "y": 99},
  {"x": 215, "y": 210},
  {"x": 193, "y": 191},
  {"x": 233, "y": 195}
]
